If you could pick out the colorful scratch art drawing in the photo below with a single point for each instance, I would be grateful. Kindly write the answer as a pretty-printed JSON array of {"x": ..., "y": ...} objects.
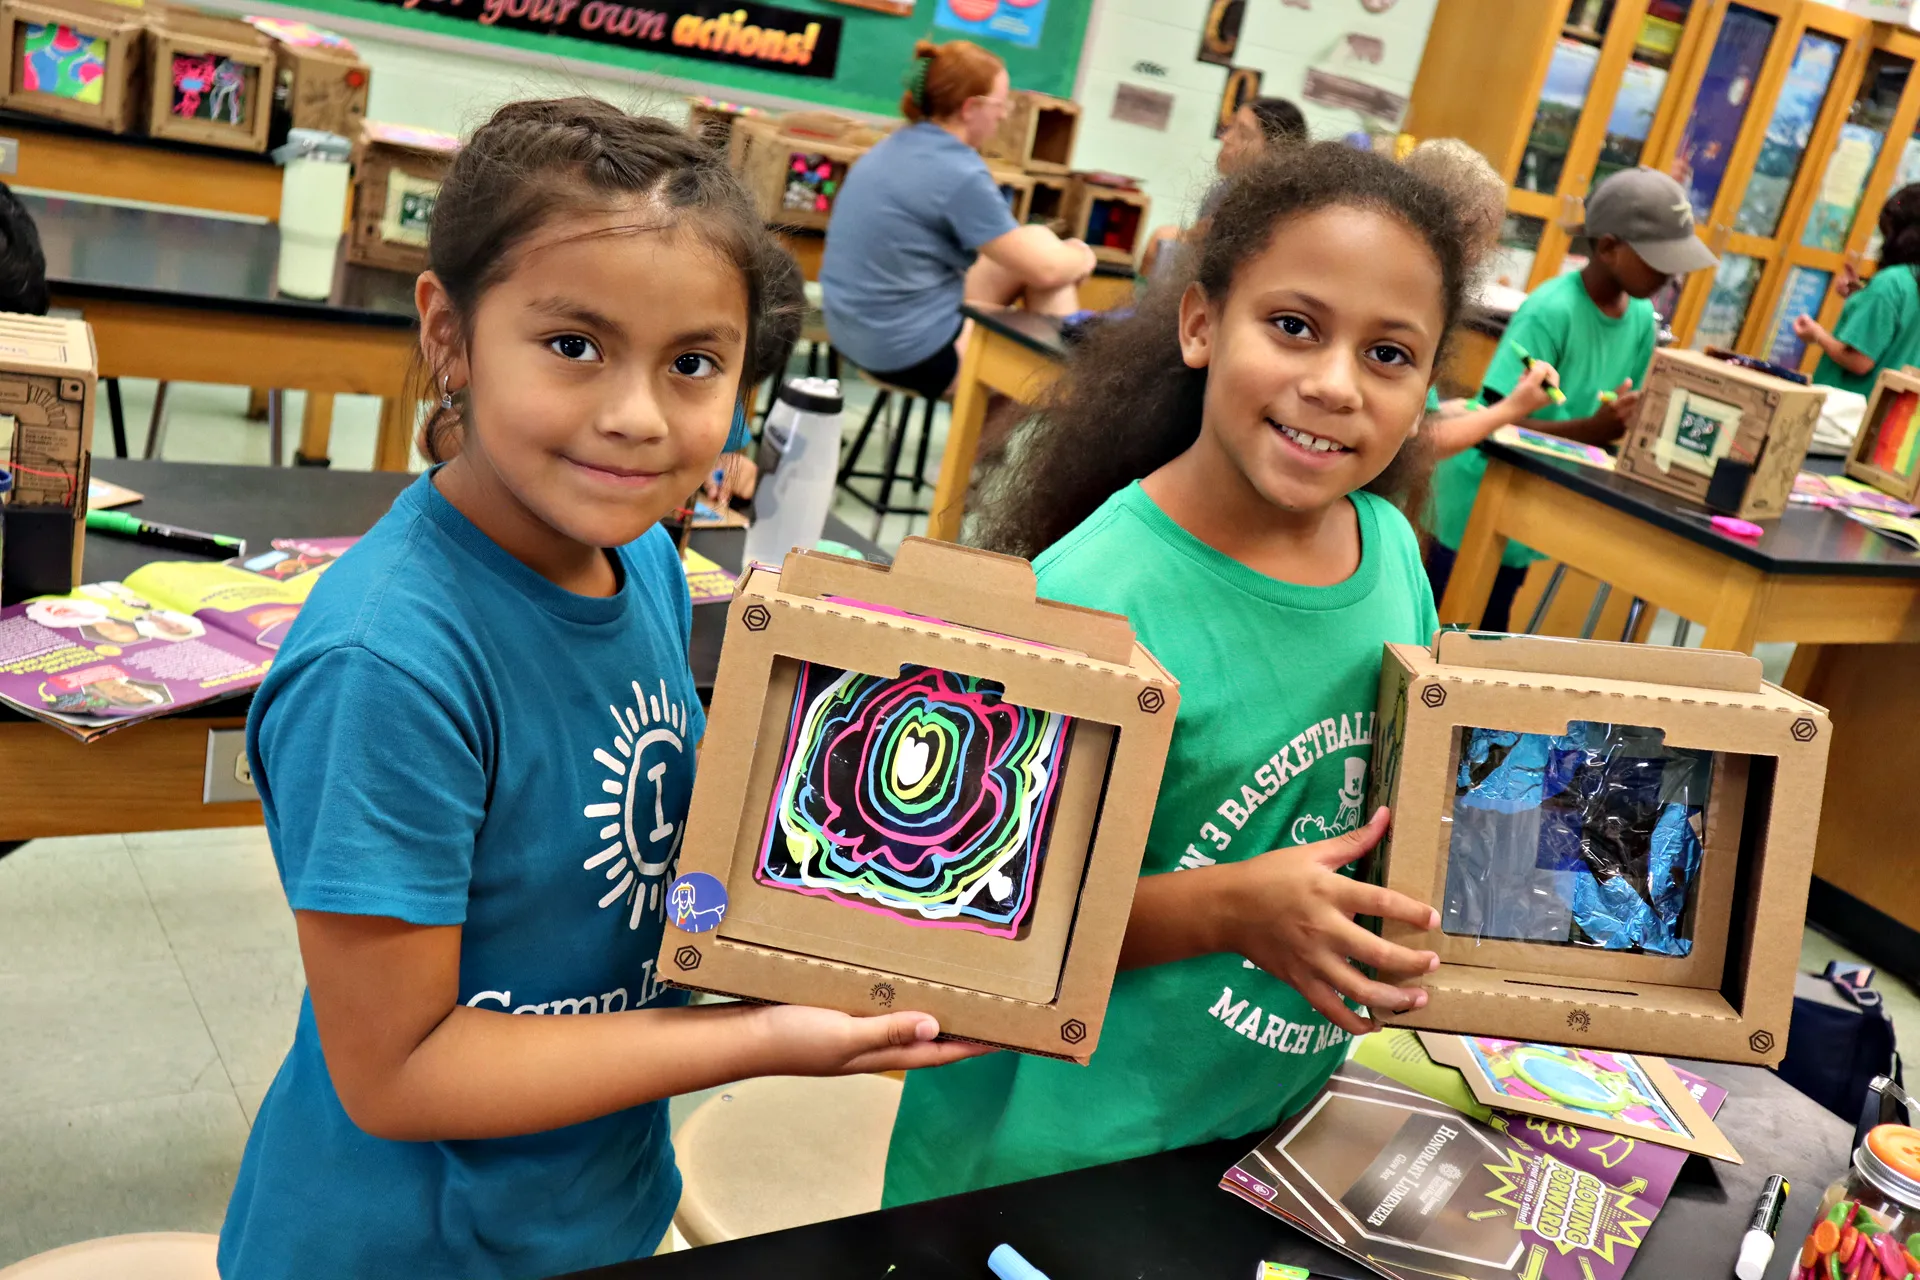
[
  {"x": 923, "y": 796},
  {"x": 1895, "y": 441},
  {"x": 58, "y": 60},
  {"x": 813, "y": 183},
  {"x": 1588, "y": 1080},
  {"x": 208, "y": 88}
]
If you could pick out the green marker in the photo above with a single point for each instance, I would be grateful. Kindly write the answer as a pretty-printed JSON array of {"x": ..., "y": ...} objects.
[
  {"x": 1553, "y": 388},
  {"x": 165, "y": 535}
]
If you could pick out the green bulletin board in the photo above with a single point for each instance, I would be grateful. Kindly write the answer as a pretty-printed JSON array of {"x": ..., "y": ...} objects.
[{"x": 873, "y": 54}]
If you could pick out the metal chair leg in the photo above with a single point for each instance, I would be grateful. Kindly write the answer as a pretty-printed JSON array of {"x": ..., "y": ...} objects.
[
  {"x": 896, "y": 440},
  {"x": 852, "y": 459},
  {"x": 276, "y": 425},
  {"x": 1593, "y": 613},
  {"x": 117, "y": 416},
  {"x": 1546, "y": 599},
  {"x": 926, "y": 441},
  {"x": 157, "y": 424},
  {"x": 1682, "y": 631},
  {"x": 1634, "y": 610}
]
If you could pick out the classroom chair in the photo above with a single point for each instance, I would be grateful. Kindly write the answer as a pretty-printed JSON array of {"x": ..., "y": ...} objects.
[
  {"x": 782, "y": 1151},
  {"x": 881, "y": 501},
  {"x": 154, "y": 1255}
]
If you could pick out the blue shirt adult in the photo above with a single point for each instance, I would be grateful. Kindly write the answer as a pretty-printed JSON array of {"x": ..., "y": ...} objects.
[
  {"x": 450, "y": 739},
  {"x": 906, "y": 226}
]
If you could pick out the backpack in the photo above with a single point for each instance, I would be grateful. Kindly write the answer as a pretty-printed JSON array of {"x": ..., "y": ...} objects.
[{"x": 1840, "y": 1039}]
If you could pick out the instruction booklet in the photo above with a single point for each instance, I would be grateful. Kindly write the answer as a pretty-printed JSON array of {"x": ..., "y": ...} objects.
[{"x": 174, "y": 634}]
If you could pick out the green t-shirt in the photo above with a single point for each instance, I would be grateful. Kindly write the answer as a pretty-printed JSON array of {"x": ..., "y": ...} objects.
[
  {"x": 1591, "y": 350},
  {"x": 1278, "y": 685},
  {"x": 1881, "y": 321}
]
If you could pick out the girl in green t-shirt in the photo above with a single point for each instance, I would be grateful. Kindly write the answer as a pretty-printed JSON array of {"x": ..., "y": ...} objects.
[
  {"x": 1223, "y": 468},
  {"x": 1880, "y": 325}
]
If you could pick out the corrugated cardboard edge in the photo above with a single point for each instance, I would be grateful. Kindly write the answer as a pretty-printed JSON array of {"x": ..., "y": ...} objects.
[{"x": 1139, "y": 698}]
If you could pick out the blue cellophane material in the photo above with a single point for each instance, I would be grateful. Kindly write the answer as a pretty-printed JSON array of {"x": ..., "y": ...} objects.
[{"x": 1591, "y": 838}]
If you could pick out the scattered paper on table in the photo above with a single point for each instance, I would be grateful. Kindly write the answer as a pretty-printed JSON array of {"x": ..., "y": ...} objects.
[
  {"x": 1586, "y": 455},
  {"x": 706, "y": 580}
]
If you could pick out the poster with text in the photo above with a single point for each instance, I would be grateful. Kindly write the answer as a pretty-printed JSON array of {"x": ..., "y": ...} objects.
[{"x": 1018, "y": 22}]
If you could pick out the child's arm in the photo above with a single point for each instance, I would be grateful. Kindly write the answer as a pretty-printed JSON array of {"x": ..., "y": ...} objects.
[
  {"x": 1290, "y": 912},
  {"x": 412, "y": 1064},
  {"x": 1853, "y": 360},
  {"x": 1605, "y": 426},
  {"x": 1461, "y": 432}
]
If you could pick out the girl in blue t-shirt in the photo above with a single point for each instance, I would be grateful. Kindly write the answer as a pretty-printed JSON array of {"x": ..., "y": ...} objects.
[{"x": 476, "y": 750}]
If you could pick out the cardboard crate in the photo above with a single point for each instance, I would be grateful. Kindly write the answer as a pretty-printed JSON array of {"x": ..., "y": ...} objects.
[
  {"x": 1886, "y": 453},
  {"x": 1112, "y": 219},
  {"x": 319, "y": 80},
  {"x": 211, "y": 81},
  {"x": 1017, "y": 187},
  {"x": 48, "y": 381},
  {"x": 1759, "y": 759},
  {"x": 713, "y": 119},
  {"x": 794, "y": 166},
  {"x": 1047, "y": 206},
  {"x": 397, "y": 171},
  {"x": 1020, "y": 946},
  {"x": 77, "y": 60},
  {"x": 1037, "y": 134},
  {"x": 1716, "y": 433}
]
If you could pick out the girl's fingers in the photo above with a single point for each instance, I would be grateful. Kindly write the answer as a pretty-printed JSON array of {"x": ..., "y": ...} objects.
[
  {"x": 1330, "y": 1006},
  {"x": 1366, "y": 947},
  {"x": 1350, "y": 982},
  {"x": 1358, "y": 899},
  {"x": 917, "y": 1056},
  {"x": 1342, "y": 849}
]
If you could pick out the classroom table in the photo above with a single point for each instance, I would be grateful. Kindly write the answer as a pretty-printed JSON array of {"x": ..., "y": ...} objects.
[
  {"x": 150, "y": 776},
  {"x": 184, "y": 297},
  {"x": 1163, "y": 1217},
  {"x": 1013, "y": 353},
  {"x": 58, "y": 155},
  {"x": 1847, "y": 597}
]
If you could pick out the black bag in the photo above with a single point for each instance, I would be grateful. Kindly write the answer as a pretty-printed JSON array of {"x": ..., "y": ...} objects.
[{"x": 1841, "y": 1038}]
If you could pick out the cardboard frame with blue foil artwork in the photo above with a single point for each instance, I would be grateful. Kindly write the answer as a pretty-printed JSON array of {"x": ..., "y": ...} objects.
[
  {"x": 921, "y": 788},
  {"x": 1618, "y": 838}
]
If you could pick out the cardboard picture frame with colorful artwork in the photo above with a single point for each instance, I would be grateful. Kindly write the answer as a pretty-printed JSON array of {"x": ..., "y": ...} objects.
[
  {"x": 794, "y": 166},
  {"x": 1886, "y": 452},
  {"x": 211, "y": 80},
  {"x": 921, "y": 788},
  {"x": 319, "y": 80},
  {"x": 82, "y": 61},
  {"x": 397, "y": 171}
]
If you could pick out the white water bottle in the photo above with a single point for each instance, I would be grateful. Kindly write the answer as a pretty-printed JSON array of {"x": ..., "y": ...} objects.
[{"x": 799, "y": 457}]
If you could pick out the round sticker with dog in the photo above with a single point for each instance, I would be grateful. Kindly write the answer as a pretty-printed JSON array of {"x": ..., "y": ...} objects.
[{"x": 696, "y": 902}]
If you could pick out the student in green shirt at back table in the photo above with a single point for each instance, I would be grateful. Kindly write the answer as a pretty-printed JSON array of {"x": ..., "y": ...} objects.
[
  {"x": 1597, "y": 329},
  {"x": 1880, "y": 325}
]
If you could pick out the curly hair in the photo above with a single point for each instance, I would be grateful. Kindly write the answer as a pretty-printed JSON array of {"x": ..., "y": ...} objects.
[
  {"x": 1900, "y": 228},
  {"x": 1127, "y": 404},
  {"x": 1478, "y": 192}
]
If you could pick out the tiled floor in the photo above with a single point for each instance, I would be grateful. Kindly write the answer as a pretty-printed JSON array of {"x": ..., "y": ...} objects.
[{"x": 149, "y": 983}]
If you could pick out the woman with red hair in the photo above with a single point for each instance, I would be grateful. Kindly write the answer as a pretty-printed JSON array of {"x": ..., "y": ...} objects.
[{"x": 921, "y": 226}]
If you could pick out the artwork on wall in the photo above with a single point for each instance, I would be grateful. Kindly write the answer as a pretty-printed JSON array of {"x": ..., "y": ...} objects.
[
  {"x": 898, "y": 8},
  {"x": 58, "y": 60},
  {"x": 1220, "y": 37},
  {"x": 921, "y": 796},
  {"x": 208, "y": 87},
  {"x": 1018, "y": 22},
  {"x": 1148, "y": 108},
  {"x": 1243, "y": 86}
]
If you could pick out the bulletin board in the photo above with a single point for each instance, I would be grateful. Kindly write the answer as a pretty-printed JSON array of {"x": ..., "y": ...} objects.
[{"x": 868, "y": 50}]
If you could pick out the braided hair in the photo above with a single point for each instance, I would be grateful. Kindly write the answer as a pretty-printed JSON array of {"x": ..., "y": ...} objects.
[{"x": 539, "y": 160}]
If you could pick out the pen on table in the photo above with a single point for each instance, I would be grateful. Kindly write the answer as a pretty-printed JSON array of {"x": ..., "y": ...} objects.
[
  {"x": 1554, "y": 393},
  {"x": 165, "y": 535},
  {"x": 1006, "y": 1263},
  {"x": 1756, "y": 1246}
]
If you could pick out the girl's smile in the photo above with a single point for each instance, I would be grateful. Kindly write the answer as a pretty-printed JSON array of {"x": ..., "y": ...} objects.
[{"x": 1319, "y": 450}]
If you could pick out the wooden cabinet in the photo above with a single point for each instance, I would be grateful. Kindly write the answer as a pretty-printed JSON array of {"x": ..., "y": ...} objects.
[{"x": 1774, "y": 114}]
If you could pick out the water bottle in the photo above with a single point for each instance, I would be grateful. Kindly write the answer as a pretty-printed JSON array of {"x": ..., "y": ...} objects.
[
  {"x": 799, "y": 457},
  {"x": 313, "y": 210}
]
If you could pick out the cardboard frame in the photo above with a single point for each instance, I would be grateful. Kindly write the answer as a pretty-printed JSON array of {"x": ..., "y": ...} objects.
[
  {"x": 1731, "y": 999},
  {"x": 976, "y": 614},
  {"x": 48, "y": 387},
  {"x": 761, "y": 152},
  {"x": 1703, "y": 1136},
  {"x": 317, "y": 85},
  {"x": 122, "y": 103},
  {"x": 1891, "y": 384},
  {"x": 1766, "y": 424},
  {"x": 1017, "y": 187},
  {"x": 1090, "y": 203},
  {"x": 1037, "y": 134},
  {"x": 390, "y": 162},
  {"x": 184, "y": 32}
]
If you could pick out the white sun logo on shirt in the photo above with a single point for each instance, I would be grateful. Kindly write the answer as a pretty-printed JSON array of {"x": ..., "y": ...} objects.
[{"x": 640, "y": 843}]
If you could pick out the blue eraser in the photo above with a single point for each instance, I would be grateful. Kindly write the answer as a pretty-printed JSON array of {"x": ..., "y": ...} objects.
[{"x": 1009, "y": 1265}]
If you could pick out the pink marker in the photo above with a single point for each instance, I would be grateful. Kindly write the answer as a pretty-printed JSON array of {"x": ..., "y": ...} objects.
[{"x": 1737, "y": 527}]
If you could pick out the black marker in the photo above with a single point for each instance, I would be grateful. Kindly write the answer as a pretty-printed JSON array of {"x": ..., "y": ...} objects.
[
  {"x": 165, "y": 535},
  {"x": 1756, "y": 1247}
]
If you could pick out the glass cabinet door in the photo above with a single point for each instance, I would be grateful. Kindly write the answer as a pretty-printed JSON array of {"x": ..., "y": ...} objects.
[
  {"x": 1830, "y": 222},
  {"x": 1788, "y": 133},
  {"x": 1721, "y": 104}
]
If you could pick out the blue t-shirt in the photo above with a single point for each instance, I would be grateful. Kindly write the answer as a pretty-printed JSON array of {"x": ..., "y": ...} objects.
[
  {"x": 450, "y": 739},
  {"x": 906, "y": 226}
]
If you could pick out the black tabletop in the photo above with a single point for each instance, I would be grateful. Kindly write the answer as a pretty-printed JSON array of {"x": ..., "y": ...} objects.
[
  {"x": 1164, "y": 1217},
  {"x": 123, "y": 253},
  {"x": 1804, "y": 540},
  {"x": 1037, "y": 333},
  {"x": 264, "y": 503}
]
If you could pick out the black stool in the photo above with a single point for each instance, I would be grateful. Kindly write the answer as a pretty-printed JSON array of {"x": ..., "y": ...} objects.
[{"x": 881, "y": 503}]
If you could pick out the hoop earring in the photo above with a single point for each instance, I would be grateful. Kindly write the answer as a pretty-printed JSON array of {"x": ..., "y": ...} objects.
[{"x": 446, "y": 396}]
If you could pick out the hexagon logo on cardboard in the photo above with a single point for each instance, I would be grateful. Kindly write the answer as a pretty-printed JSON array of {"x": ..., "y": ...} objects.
[{"x": 687, "y": 958}]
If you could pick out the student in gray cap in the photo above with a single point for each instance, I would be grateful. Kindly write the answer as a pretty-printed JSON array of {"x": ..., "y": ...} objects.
[{"x": 1596, "y": 327}]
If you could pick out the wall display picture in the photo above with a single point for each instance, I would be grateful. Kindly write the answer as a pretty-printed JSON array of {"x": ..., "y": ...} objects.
[
  {"x": 1148, "y": 108},
  {"x": 1243, "y": 86},
  {"x": 57, "y": 60},
  {"x": 1017, "y": 22},
  {"x": 1220, "y": 37},
  {"x": 898, "y": 8},
  {"x": 209, "y": 87}
]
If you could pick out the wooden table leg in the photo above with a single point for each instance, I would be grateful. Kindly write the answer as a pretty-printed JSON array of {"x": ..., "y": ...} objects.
[
  {"x": 316, "y": 430},
  {"x": 257, "y": 403},
  {"x": 393, "y": 447},
  {"x": 1471, "y": 584},
  {"x": 963, "y": 443},
  {"x": 1800, "y": 671},
  {"x": 1734, "y": 617}
]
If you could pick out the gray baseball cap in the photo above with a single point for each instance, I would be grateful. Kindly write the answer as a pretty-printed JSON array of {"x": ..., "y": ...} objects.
[{"x": 1651, "y": 212}]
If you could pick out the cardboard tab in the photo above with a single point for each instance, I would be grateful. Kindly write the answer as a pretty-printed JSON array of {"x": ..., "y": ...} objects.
[{"x": 1600, "y": 660}]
